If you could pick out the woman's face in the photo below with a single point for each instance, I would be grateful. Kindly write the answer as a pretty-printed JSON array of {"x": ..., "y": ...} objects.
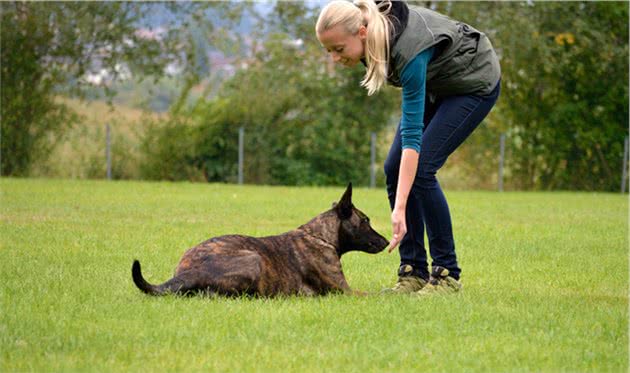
[{"x": 345, "y": 48}]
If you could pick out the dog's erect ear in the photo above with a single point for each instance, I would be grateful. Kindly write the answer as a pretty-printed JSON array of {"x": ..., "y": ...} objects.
[
  {"x": 344, "y": 207},
  {"x": 347, "y": 195}
]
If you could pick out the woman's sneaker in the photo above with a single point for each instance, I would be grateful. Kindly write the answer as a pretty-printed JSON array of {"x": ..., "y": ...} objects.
[
  {"x": 407, "y": 283},
  {"x": 440, "y": 283}
]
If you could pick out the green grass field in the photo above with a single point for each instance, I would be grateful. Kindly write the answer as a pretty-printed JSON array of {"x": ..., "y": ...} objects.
[{"x": 545, "y": 284}]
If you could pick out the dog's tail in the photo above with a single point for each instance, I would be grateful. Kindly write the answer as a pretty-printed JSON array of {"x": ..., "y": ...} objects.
[
  {"x": 140, "y": 282},
  {"x": 173, "y": 285}
]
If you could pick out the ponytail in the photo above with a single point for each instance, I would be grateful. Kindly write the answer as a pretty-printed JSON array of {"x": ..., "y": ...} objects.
[
  {"x": 352, "y": 17},
  {"x": 376, "y": 44}
]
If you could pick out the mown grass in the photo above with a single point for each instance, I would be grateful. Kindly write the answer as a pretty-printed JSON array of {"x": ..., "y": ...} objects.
[{"x": 545, "y": 284}]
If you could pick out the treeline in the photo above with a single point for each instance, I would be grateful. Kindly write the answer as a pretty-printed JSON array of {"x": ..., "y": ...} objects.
[{"x": 563, "y": 108}]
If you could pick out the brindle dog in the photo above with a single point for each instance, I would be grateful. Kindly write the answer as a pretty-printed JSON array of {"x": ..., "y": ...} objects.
[{"x": 304, "y": 261}]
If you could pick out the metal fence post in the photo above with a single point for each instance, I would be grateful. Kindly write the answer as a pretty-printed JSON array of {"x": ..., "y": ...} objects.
[
  {"x": 373, "y": 160},
  {"x": 241, "y": 137},
  {"x": 624, "y": 172},
  {"x": 501, "y": 160},
  {"x": 108, "y": 151}
]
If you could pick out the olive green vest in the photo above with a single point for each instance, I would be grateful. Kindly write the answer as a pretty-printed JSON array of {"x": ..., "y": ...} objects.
[{"x": 464, "y": 61}]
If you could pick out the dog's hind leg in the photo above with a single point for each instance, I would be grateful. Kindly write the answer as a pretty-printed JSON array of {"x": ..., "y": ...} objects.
[
  {"x": 189, "y": 283},
  {"x": 233, "y": 275}
]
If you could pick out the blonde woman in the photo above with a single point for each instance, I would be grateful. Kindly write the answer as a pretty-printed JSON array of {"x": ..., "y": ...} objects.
[{"x": 450, "y": 79}]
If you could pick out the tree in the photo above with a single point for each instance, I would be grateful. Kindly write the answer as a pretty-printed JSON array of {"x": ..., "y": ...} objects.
[
  {"x": 564, "y": 99},
  {"x": 307, "y": 122},
  {"x": 565, "y": 89},
  {"x": 48, "y": 47}
]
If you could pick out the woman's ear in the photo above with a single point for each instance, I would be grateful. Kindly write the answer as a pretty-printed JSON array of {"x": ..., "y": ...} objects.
[{"x": 362, "y": 33}]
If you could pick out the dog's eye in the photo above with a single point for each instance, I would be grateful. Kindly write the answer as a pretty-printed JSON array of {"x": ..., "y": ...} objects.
[{"x": 365, "y": 220}]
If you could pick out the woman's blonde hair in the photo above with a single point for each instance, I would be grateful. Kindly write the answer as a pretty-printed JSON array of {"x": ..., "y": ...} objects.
[{"x": 352, "y": 16}]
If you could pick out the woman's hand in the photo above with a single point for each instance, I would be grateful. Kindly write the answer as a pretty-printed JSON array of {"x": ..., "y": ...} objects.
[
  {"x": 408, "y": 168},
  {"x": 399, "y": 228}
]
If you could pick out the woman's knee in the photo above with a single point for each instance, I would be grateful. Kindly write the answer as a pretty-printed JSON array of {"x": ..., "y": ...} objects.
[{"x": 425, "y": 179}]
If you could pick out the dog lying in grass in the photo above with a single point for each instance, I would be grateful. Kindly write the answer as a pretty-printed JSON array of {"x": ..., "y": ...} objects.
[{"x": 304, "y": 261}]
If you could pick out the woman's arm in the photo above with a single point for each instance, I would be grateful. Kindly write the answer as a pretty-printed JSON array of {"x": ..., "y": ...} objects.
[
  {"x": 407, "y": 172},
  {"x": 413, "y": 79}
]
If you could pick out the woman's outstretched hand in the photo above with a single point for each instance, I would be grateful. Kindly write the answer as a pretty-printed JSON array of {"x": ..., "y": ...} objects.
[
  {"x": 399, "y": 228},
  {"x": 408, "y": 169}
]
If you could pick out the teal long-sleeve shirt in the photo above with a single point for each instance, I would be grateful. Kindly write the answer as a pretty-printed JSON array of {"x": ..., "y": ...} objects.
[{"x": 413, "y": 79}]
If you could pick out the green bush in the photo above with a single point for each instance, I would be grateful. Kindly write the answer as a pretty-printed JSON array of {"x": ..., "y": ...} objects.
[{"x": 168, "y": 151}]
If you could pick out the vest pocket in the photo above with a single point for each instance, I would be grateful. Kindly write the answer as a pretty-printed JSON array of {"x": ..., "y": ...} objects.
[{"x": 469, "y": 43}]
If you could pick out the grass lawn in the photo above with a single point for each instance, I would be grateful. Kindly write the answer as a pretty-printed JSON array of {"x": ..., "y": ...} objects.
[{"x": 545, "y": 284}]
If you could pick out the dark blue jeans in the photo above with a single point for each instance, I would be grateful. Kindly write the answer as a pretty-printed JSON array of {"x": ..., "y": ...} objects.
[{"x": 448, "y": 122}]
